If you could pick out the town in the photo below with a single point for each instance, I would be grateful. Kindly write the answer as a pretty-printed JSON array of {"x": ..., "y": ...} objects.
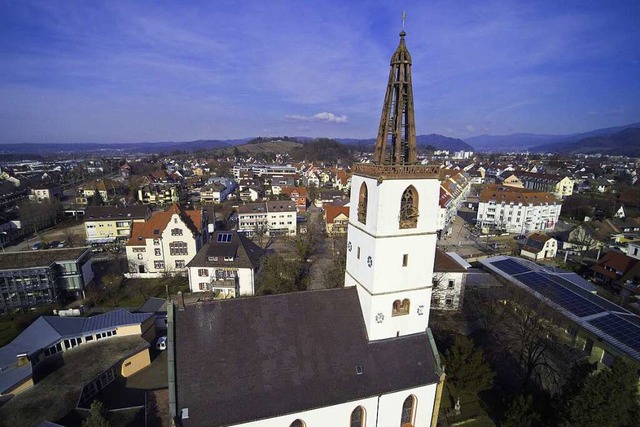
[{"x": 407, "y": 280}]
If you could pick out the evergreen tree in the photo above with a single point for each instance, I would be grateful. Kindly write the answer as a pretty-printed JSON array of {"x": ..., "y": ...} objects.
[
  {"x": 97, "y": 416},
  {"x": 607, "y": 399},
  {"x": 466, "y": 367},
  {"x": 520, "y": 413}
]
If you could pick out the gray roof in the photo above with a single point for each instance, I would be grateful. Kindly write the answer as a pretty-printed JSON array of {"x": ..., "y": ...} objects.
[
  {"x": 47, "y": 330},
  {"x": 254, "y": 358},
  {"x": 153, "y": 305},
  {"x": 41, "y": 258},
  {"x": 245, "y": 253},
  {"x": 116, "y": 212}
]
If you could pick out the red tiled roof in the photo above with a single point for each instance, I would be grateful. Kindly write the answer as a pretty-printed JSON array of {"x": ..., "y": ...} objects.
[
  {"x": 332, "y": 211},
  {"x": 140, "y": 231}
]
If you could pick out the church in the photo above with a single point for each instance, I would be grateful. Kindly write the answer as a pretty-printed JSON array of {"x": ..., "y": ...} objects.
[{"x": 361, "y": 355}]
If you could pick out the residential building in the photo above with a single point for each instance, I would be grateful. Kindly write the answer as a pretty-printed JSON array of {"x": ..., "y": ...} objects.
[
  {"x": 454, "y": 190},
  {"x": 274, "y": 218},
  {"x": 106, "y": 224},
  {"x": 166, "y": 242},
  {"x": 358, "y": 355},
  {"x": 226, "y": 265},
  {"x": 106, "y": 188},
  {"x": 299, "y": 196},
  {"x": 618, "y": 269},
  {"x": 559, "y": 186},
  {"x": 593, "y": 234},
  {"x": 449, "y": 278},
  {"x": 214, "y": 193},
  {"x": 510, "y": 180},
  {"x": 159, "y": 194},
  {"x": 336, "y": 219},
  {"x": 45, "y": 192},
  {"x": 517, "y": 210},
  {"x": 36, "y": 278},
  {"x": 539, "y": 247}
]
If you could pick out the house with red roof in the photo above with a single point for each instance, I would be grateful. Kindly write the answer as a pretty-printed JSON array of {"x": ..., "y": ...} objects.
[
  {"x": 166, "y": 242},
  {"x": 297, "y": 195},
  {"x": 336, "y": 219}
]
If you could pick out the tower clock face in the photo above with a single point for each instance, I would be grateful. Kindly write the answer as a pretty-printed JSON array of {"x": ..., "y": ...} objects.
[
  {"x": 369, "y": 261},
  {"x": 349, "y": 246}
]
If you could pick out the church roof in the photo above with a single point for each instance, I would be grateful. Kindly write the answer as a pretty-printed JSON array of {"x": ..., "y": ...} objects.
[{"x": 255, "y": 358}]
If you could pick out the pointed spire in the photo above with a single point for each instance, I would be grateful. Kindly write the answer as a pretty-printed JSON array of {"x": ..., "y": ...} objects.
[{"x": 396, "y": 142}]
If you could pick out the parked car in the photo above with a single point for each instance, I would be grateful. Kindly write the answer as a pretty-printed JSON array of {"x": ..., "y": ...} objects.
[
  {"x": 161, "y": 344},
  {"x": 54, "y": 244},
  {"x": 62, "y": 244},
  {"x": 36, "y": 246}
]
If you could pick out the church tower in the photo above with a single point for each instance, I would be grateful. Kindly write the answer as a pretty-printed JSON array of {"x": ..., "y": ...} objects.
[{"x": 392, "y": 221}]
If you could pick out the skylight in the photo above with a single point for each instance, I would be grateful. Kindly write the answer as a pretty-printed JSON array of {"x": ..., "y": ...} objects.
[{"x": 224, "y": 237}]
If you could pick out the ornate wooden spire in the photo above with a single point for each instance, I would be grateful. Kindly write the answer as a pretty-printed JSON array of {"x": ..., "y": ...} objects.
[{"x": 396, "y": 143}]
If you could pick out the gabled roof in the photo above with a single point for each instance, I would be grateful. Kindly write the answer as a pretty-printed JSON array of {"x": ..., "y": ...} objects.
[
  {"x": 141, "y": 231},
  {"x": 283, "y": 354},
  {"x": 245, "y": 253},
  {"x": 333, "y": 211},
  {"x": 501, "y": 193},
  {"x": 444, "y": 263},
  {"x": 618, "y": 266}
]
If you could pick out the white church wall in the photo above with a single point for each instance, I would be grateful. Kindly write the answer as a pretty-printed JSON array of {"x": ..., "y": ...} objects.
[{"x": 380, "y": 411}]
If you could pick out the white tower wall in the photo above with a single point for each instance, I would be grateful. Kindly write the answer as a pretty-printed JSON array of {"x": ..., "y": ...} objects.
[{"x": 387, "y": 263}]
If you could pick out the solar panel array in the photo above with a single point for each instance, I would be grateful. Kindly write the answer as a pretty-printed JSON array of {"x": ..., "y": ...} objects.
[
  {"x": 562, "y": 296},
  {"x": 510, "y": 266},
  {"x": 224, "y": 237},
  {"x": 579, "y": 302},
  {"x": 620, "y": 329}
]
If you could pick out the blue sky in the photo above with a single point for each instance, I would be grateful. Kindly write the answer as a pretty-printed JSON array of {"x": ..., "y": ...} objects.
[{"x": 119, "y": 71}]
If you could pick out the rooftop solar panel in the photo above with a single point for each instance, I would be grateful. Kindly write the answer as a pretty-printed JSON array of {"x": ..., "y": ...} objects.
[
  {"x": 622, "y": 330},
  {"x": 510, "y": 266},
  {"x": 224, "y": 238},
  {"x": 607, "y": 305},
  {"x": 565, "y": 298}
]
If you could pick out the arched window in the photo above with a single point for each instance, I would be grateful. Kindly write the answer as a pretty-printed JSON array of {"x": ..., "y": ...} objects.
[
  {"x": 357, "y": 417},
  {"x": 409, "y": 208},
  {"x": 362, "y": 203},
  {"x": 400, "y": 308},
  {"x": 297, "y": 423},
  {"x": 408, "y": 412}
]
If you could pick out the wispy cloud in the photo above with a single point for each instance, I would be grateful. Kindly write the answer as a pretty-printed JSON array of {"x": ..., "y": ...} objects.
[{"x": 319, "y": 117}]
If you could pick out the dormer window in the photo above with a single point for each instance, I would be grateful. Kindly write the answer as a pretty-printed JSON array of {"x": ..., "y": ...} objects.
[{"x": 228, "y": 258}]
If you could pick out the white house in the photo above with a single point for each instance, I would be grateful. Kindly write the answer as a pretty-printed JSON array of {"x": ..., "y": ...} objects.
[
  {"x": 517, "y": 210},
  {"x": 166, "y": 242},
  {"x": 226, "y": 265},
  {"x": 539, "y": 247},
  {"x": 449, "y": 278},
  {"x": 273, "y": 218}
]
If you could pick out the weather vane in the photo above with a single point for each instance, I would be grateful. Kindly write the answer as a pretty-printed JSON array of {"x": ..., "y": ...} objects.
[{"x": 404, "y": 16}]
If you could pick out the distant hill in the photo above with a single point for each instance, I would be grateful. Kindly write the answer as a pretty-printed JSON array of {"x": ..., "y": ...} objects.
[
  {"x": 439, "y": 142},
  {"x": 527, "y": 141},
  {"x": 323, "y": 150},
  {"x": 135, "y": 147},
  {"x": 253, "y": 148},
  {"x": 623, "y": 143}
]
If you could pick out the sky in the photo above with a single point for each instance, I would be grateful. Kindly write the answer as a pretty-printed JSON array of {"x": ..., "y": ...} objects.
[{"x": 134, "y": 71}]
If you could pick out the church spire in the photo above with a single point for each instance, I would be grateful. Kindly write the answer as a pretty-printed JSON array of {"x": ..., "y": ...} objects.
[{"x": 396, "y": 143}]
